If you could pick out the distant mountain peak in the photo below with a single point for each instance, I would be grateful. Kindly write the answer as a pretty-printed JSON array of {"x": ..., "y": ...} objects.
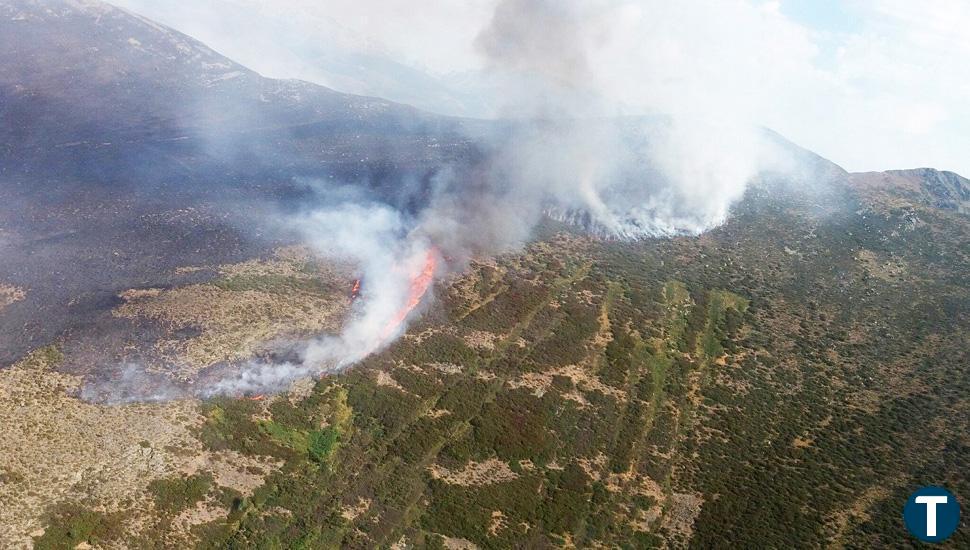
[
  {"x": 83, "y": 73},
  {"x": 938, "y": 188}
]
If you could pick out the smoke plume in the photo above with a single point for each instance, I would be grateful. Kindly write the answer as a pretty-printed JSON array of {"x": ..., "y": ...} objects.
[
  {"x": 623, "y": 176},
  {"x": 397, "y": 265},
  {"x": 569, "y": 151}
]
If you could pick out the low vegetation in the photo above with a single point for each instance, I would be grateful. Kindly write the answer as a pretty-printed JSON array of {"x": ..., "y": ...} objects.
[
  {"x": 753, "y": 387},
  {"x": 172, "y": 495}
]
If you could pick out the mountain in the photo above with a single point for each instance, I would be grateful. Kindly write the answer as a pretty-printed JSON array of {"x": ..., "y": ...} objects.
[
  {"x": 116, "y": 133},
  {"x": 100, "y": 89},
  {"x": 122, "y": 135},
  {"x": 924, "y": 185},
  {"x": 311, "y": 46},
  {"x": 786, "y": 379}
]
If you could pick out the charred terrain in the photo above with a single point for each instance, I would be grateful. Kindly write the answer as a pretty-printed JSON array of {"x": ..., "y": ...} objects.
[{"x": 786, "y": 379}]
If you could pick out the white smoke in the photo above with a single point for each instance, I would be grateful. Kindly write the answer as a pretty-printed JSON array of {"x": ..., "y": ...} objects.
[
  {"x": 676, "y": 172},
  {"x": 131, "y": 382},
  {"x": 382, "y": 246},
  {"x": 572, "y": 153}
]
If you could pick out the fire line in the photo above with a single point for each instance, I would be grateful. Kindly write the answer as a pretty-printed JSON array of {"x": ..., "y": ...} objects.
[{"x": 420, "y": 282}]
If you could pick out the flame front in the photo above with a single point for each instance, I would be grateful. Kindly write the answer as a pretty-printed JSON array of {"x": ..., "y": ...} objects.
[{"x": 420, "y": 282}]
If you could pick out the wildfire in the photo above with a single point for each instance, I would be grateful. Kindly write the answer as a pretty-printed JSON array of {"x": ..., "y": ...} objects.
[
  {"x": 355, "y": 291},
  {"x": 420, "y": 282}
]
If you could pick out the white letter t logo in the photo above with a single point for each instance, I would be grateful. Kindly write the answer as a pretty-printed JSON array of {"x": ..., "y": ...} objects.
[{"x": 931, "y": 503}]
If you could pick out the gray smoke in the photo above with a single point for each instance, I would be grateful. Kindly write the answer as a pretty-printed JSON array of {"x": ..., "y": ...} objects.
[
  {"x": 569, "y": 152},
  {"x": 386, "y": 251},
  {"x": 581, "y": 159}
]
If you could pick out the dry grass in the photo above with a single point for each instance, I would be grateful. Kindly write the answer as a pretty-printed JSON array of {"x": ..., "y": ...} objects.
[
  {"x": 350, "y": 513},
  {"x": 446, "y": 368},
  {"x": 55, "y": 448},
  {"x": 383, "y": 378},
  {"x": 498, "y": 523},
  {"x": 480, "y": 339},
  {"x": 240, "y": 313},
  {"x": 10, "y": 294},
  {"x": 230, "y": 469},
  {"x": 857, "y": 512},
  {"x": 453, "y": 543},
  {"x": 581, "y": 377},
  {"x": 475, "y": 473},
  {"x": 680, "y": 513},
  {"x": 204, "y": 511},
  {"x": 889, "y": 270},
  {"x": 594, "y": 467}
]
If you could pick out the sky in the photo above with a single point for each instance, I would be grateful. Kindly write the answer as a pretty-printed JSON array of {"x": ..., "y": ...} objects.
[{"x": 869, "y": 84}]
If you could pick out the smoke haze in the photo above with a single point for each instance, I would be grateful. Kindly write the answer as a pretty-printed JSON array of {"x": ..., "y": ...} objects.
[
  {"x": 677, "y": 172},
  {"x": 844, "y": 79},
  {"x": 380, "y": 245},
  {"x": 569, "y": 151}
]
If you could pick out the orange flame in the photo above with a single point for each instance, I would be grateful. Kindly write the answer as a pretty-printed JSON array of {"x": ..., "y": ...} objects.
[
  {"x": 355, "y": 292},
  {"x": 420, "y": 282}
]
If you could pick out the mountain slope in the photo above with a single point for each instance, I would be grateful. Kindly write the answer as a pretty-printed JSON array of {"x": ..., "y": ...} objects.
[
  {"x": 127, "y": 149},
  {"x": 786, "y": 379},
  {"x": 924, "y": 185},
  {"x": 306, "y": 44},
  {"x": 583, "y": 392},
  {"x": 85, "y": 82}
]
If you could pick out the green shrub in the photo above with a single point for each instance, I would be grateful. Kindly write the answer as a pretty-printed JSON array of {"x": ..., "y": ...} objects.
[
  {"x": 322, "y": 443},
  {"x": 70, "y": 524},
  {"x": 175, "y": 494}
]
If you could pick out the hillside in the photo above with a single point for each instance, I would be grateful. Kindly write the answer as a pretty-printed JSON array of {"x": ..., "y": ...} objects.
[
  {"x": 582, "y": 392},
  {"x": 128, "y": 149},
  {"x": 97, "y": 91},
  {"x": 783, "y": 380}
]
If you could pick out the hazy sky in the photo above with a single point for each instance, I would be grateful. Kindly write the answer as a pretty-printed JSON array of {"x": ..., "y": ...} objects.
[{"x": 870, "y": 84}]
